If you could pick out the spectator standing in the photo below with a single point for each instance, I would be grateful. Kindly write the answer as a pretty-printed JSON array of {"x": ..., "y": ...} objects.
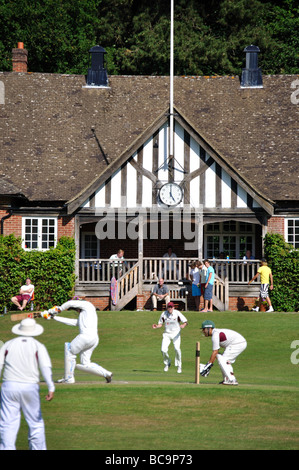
[
  {"x": 208, "y": 294},
  {"x": 195, "y": 280},
  {"x": 266, "y": 276},
  {"x": 203, "y": 275}
]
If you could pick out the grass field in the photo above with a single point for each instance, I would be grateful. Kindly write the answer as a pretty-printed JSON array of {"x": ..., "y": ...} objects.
[{"x": 145, "y": 408}]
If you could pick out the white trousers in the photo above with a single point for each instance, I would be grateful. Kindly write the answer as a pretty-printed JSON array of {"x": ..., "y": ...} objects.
[
  {"x": 17, "y": 397},
  {"x": 229, "y": 356},
  {"x": 84, "y": 346},
  {"x": 166, "y": 340},
  {"x": 155, "y": 300}
]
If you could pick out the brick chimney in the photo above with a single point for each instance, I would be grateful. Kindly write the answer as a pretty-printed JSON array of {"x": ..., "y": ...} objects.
[{"x": 19, "y": 58}]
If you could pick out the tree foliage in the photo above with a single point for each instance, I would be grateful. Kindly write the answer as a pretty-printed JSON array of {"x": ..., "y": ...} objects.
[
  {"x": 209, "y": 35},
  {"x": 283, "y": 259},
  {"x": 51, "y": 272}
]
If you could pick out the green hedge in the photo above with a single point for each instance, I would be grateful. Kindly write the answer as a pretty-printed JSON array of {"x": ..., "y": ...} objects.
[
  {"x": 51, "y": 272},
  {"x": 283, "y": 259}
]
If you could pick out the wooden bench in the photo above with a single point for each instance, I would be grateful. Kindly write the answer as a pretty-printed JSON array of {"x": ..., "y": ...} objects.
[{"x": 178, "y": 294}]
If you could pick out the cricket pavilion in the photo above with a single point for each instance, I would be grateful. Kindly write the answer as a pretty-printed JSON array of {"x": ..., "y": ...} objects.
[{"x": 106, "y": 160}]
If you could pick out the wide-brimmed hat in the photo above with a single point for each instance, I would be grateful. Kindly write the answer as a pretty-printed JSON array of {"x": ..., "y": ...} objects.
[{"x": 27, "y": 327}]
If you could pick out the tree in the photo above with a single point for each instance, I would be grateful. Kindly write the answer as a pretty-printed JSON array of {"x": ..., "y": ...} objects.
[
  {"x": 209, "y": 36},
  {"x": 283, "y": 259}
]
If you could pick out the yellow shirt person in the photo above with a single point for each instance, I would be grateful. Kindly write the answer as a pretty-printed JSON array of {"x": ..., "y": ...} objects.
[
  {"x": 266, "y": 277},
  {"x": 265, "y": 273}
]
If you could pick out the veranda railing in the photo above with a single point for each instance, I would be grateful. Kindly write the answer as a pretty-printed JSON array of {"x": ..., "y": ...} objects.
[{"x": 100, "y": 271}]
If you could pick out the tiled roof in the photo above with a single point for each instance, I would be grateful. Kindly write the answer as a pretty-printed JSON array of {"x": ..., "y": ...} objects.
[{"x": 56, "y": 135}]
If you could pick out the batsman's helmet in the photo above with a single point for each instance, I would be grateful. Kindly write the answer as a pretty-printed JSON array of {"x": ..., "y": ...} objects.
[{"x": 207, "y": 324}]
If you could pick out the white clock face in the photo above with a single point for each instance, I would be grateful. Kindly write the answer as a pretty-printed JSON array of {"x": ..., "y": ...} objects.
[{"x": 171, "y": 194}]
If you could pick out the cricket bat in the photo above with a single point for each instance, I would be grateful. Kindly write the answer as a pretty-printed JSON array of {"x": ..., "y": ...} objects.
[{"x": 22, "y": 316}]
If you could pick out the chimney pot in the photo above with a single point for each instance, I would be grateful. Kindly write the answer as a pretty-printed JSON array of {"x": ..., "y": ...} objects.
[
  {"x": 252, "y": 74},
  {"x": 97, "y": 74},
  {"x": 19, "y": 58}
]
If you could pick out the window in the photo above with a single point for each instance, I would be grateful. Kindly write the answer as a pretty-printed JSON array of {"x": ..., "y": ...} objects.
[
  {"x": 231, "y": 237},
  {"x": 213, "y": 245},
  {"x": 90, "y": 246},
  {"x": 39, "y": 233},
  {"x": 292, "y": 232}
]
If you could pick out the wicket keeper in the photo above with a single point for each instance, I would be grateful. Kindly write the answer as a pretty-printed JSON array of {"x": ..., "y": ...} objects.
[{"x": 232, "y": 342}]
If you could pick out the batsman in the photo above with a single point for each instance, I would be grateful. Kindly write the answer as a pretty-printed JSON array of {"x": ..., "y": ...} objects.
[
  {"x": 84, "y": 344},
  {"x": 232, "y": 342}
]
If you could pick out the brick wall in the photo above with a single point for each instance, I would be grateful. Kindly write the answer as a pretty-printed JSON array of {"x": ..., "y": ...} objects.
[
  {"x": 241, "y": 304},
  {"x": 65, "y": 225},
  {"x": 11, "y": 225},
  {"x": 100, "y": 303},
  {"x": 143, "y": 301},
  {"x": 276, "y": 225}
]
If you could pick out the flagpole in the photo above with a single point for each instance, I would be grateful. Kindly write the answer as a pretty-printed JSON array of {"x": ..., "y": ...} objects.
[{"x": 171, "y": 127}]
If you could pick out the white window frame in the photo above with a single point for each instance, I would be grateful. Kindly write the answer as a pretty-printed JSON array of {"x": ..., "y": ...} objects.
[
  {"x": 286, "y": 232},
  {"x": 39, "y": 240},
  {"x": 221, "y": 233}
]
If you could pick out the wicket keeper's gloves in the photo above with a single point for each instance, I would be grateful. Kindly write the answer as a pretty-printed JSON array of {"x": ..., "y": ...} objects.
[{"x": 206, "y": 370}]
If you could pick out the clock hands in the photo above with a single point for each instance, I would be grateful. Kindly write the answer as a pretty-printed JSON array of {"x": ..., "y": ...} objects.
[{"x": 170, "y": 192}]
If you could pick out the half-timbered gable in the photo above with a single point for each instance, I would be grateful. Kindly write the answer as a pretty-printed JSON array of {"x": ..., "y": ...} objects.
[{"x": 207, "y": 182}]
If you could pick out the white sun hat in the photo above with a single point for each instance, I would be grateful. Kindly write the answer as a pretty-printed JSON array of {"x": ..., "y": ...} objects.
[{"x": 27, "y": 327}]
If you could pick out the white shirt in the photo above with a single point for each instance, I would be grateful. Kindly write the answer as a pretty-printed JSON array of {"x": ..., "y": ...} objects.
[
  {"x": 170, "y": 265},
  {"x": 22, "y": 357},
  {"x": 26, "y": 288},
  {"x": 203, "y": 274},
  {"x": 87, "y": 320},
  {"x": 195, "y": 273},
  {"x": 117, "y": 259},
  {"x": 222, "y": 338},
  {"x": 172, "y": 321}
]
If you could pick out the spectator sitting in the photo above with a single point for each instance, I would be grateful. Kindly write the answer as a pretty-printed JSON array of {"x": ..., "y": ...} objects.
[
  {"x": 24, "y": 296},
  {"x": 160, "y": 292},
  {"x": 170, "y": 267},
  {"x": 247, "y": 256}
]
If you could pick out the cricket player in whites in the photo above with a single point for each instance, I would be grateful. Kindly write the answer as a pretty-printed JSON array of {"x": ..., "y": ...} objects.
[
  {"x": 173, "y": 321},
  {"x": 84, "y": 344},
  {"x": 232, "y": 342}
]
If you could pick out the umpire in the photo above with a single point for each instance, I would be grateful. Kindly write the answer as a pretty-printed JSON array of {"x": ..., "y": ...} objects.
[{"x": 21, "y": 358}]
